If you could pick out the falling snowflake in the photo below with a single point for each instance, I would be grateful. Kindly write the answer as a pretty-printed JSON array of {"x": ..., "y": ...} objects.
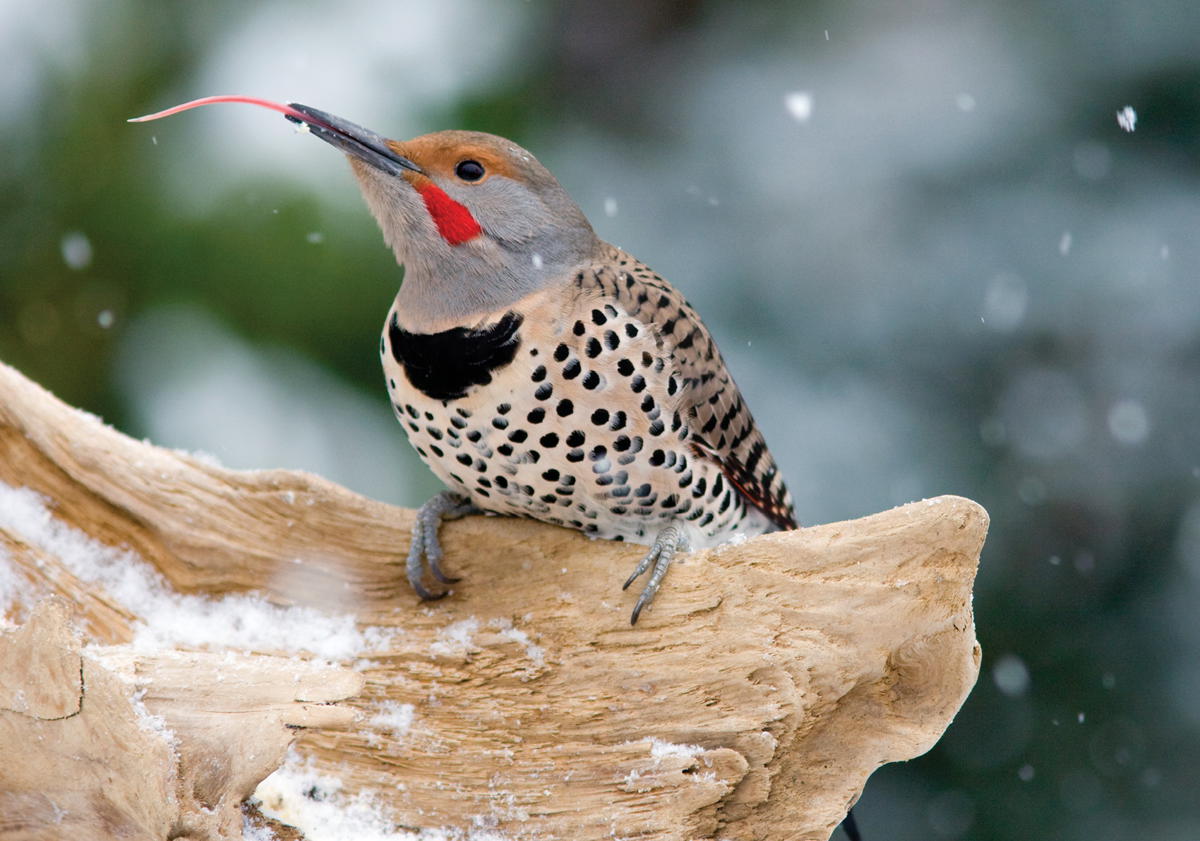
[
  {"x": 1127, "y": 118},
  {"x": 799, "y": 105}
]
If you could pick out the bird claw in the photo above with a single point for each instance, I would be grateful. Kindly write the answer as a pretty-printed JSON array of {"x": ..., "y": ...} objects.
[
  {"x": 425, "y": 548},
  {"x": 668, "y": 542}
]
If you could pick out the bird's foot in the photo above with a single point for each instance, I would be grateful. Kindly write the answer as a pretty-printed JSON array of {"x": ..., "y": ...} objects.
[
  {"x": 425, "y": 547},
  {"x": 669, "y": 541}
]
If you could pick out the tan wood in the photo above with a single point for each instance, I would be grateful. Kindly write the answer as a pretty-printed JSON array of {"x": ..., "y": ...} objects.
[{"x": 751, "y": 701}]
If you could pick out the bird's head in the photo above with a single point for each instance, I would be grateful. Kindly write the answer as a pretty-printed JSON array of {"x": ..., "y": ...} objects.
[{"x": 477, "y": 221}]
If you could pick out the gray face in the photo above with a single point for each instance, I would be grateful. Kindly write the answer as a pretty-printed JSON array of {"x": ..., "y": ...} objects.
[{"x": 532, "y": 235}]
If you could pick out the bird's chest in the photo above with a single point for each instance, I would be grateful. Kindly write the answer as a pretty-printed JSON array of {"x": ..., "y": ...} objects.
[{"x": 572, "y": 418}]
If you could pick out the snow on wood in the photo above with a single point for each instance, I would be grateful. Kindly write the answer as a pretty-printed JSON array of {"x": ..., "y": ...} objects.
[{"x": 767, "y": 682}]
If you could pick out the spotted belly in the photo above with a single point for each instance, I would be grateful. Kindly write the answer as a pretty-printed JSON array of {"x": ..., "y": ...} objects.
[{"x": 581, "y": 426}]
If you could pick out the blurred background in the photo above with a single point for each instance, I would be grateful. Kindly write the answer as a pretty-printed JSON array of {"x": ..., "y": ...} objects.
[{"x": 933, "y": 259}]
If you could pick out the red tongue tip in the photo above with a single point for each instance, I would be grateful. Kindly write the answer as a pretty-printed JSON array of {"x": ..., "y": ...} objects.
[{"x": 286, "y": 110}]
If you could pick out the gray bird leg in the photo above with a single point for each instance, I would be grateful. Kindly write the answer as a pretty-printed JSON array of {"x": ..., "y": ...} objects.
[
  {"x": 668, "y": 542},
  {"x": 425, "y": 546}
]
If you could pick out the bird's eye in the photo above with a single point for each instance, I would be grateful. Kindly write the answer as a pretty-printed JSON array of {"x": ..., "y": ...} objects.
[{"x": 469, "y": 170}]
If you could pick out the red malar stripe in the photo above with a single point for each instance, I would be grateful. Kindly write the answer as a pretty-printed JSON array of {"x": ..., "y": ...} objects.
[{"x": 454, "y": 222}]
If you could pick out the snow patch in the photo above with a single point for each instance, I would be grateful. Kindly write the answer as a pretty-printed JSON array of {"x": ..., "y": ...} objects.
[
  {"x": 168, "y": 619},
  {"x": 456, "y": 638},
  {"x": 394, "y": 717},
  {"x": 316, "y": 804},
  {"x": 507, "y": 630},
  {"x": 660, "y": 750}
]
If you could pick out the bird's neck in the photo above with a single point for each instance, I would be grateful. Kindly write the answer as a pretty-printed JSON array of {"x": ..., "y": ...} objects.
[{"x": 430, "y": 302}]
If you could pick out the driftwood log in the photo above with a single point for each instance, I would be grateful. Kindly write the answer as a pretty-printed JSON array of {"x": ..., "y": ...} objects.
[{"x": 752, "y": 701}]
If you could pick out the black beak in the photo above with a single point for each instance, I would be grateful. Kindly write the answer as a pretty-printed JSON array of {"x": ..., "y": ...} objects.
[{"x": 355, "y": 140}]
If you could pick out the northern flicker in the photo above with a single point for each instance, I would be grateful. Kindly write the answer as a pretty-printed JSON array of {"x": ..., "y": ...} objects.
[{"x": 541, "y": 372}]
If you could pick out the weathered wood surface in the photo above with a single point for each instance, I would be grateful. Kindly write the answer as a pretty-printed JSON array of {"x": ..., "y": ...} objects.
[{"x": 793, "y": 664}]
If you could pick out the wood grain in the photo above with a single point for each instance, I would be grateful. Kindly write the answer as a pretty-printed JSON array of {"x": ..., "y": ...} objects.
[{"x": 768, "y": 680}]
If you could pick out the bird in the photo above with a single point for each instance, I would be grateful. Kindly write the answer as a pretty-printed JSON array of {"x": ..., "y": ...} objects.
[{"x": 539, "y": 371}]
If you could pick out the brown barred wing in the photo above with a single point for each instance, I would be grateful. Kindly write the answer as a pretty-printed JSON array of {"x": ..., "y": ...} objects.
[{"x": 723, "y": 430}]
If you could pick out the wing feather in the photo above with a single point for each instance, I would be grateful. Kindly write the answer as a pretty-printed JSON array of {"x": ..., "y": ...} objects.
[{"x": 722, "y": 428}]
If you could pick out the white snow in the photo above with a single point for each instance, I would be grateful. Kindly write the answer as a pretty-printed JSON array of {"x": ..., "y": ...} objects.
[
  {"x": 964, "y": 102},
  {"x": 455, "y": 638},
  {"x": 315, "y": 803},
  {"x": 660, "y": 750},
  {"x": 250, "y": 832},
  {"x": 1064, "y": 243},
  {"x": 105, "y": 319},
  {"x": 244, "y": 621},
  {"x": 610, "y": 207},
  {"x": 510, "y": 632},
  {"x": 800, "y": 105},
  {"x": 394, "y": 717},
  {"x": 76, "y": 250},
  {"x": 1127, "y": 118},
  {"x": 1128, "y": 422},
  {"x": 1011, "y": 675}
]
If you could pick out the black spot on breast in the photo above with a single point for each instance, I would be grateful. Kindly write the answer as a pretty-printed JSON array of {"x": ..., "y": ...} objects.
[
  {"x": 624, "y": 367},
  {"x": 571, "y": 369},
  {"x": 443, "y": 366},
  {"x": 575, "y": 439},
  {"x": 536, "y": 415},
  {"x": 593, "y": 348}
]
